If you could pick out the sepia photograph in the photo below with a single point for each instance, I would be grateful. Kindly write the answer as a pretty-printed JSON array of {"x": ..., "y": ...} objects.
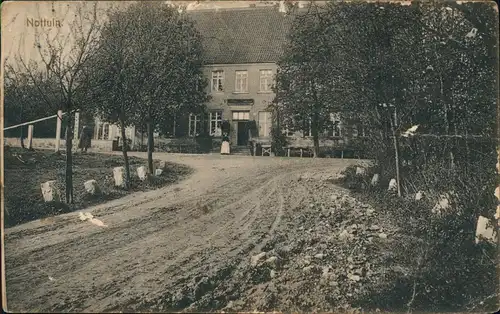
[{"x": 250, "y": 156}]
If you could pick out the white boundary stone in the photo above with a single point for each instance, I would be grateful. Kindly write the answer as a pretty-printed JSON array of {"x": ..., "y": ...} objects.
[
  {"x": 485, "y": 230},
  {"x": 442, "y": 204},
  {"x": 419, "y": 195},
  {"x": 393, "y": 187},
  {"x": 50, "y": 191},
  {"x": 360, "y": 171},
  {"x": 91, "y": 187},
  {"x": 119, "y": 176},
  {"x": 142, "y": 173}
]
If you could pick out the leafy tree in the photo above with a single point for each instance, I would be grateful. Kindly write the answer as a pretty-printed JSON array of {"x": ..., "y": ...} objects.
[
  {"x": 111, "y": 81},
  {"x": 167, "y": 66},
  {"x": 426, "y": 64},
  {"x": 302, "y": 98},
  {"x": 390, "y": 66}
]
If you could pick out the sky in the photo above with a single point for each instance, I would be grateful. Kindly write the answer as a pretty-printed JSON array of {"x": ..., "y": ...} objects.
[
  {"x": 18, "y": 35},
  {"x": 19, "y": 32}
]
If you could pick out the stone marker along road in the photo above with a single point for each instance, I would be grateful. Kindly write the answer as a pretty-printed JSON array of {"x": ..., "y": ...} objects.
[{"x": 149, "y": 246}]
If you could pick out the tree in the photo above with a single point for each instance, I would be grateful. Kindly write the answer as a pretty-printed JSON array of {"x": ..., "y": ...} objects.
[
  {"x": 426, "y": 64},
  {"x": 302, "y": 97},
  {"x": 64, "y": 57},
  {"x": 111, "y": 82},
  {"x": 167, "y": 66},
  {"x": 378, "y": 69}
]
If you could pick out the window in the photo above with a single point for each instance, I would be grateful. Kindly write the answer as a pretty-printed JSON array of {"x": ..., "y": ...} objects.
[
  {"x": 98, "y": 134},
  {"x": 215, "y": 122},
  {"x": 194, "y": 124},
  {"x": 265, "y": 123},
  {"x": 355, "y": 131},
  {"x": 241, "y": 115},
  {"x": 287, "y": 131},
  {"x": 266, "y": 80},
  {"x": 103, "y": 131},
  {"x": 288, "y": 128},
  {"x": 358, "y": 130},
  {"x": 362, "y": 130},
  {"x": 218, "y": 81},
  {"x": 128, "y": 133},
  {"x": 170, "y": 125},
  {"x": 241, "y": 85}
]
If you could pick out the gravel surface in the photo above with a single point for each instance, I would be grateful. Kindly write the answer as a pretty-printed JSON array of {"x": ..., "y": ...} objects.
[{"x": 241, "y": 234}]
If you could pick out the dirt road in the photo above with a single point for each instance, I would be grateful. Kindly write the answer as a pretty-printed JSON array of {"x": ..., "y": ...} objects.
[{"x": 184, "y": 247}]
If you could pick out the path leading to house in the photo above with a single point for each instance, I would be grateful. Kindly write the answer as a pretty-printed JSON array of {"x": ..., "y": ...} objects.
[{"x": 187, "y": 246}]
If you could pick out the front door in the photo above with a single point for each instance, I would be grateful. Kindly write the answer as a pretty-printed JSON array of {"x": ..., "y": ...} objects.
[{"x": 242, "y": 139}]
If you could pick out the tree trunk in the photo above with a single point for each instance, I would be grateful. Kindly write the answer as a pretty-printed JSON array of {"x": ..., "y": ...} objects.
[
  {"x": 447, "y": 132},
  {"x": 125, "y": 155},
  {"x": 69, "y": 160},
  {"x": 142, "y": 136},
  {"x": 315, "y": 134},
  {"x": 315, "y": 121},
  {"x": 175, "y": 123},
  {"x": 150, "y": 147}
]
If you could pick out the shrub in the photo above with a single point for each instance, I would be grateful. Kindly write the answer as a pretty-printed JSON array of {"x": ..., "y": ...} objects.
[
  {"x": 204, "y": 143},
  {"x": 445, "y": 268},
  {"x": 216, "y": 143},
  {"x": 278, "y": 141}
]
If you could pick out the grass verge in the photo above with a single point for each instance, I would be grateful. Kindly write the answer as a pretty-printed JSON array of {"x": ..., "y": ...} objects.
[
  {"x": 433, "y": 263},
  {"x": 26, "y": 170}
]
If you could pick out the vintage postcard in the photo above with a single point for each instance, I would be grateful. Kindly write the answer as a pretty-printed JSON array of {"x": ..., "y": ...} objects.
[{"x": 250, "y": 156}]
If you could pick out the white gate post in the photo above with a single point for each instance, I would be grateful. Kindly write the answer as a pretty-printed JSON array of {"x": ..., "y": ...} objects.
[
  {"x": 30, "y": 136},
  {"x": 77, "y": 125},
  {"x": 58, "y": 129}
]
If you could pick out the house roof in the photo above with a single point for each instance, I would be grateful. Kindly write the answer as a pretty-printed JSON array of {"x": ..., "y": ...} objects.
[{"x": 249, "y": 35}]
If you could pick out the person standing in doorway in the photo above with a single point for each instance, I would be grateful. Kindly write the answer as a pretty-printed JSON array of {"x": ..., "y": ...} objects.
[{"x": 224, "y": 150}]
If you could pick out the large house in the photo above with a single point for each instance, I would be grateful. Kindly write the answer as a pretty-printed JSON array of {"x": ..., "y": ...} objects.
[{"x": 242, "y": 47}]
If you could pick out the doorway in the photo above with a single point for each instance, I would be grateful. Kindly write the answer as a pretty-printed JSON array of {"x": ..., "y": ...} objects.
[
  {"x": 240, "y": 119},
  {"x": 242, "y": 134}
]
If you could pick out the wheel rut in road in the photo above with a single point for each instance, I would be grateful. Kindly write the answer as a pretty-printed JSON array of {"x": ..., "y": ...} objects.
[{"x": 173, "y": 250}]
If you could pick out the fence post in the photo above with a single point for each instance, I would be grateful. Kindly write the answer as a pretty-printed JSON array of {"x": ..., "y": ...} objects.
[
  {"x": 58, "y": 129},
  {"x": 77, "y": 125},
  {"x": 30, "y": 136}
]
